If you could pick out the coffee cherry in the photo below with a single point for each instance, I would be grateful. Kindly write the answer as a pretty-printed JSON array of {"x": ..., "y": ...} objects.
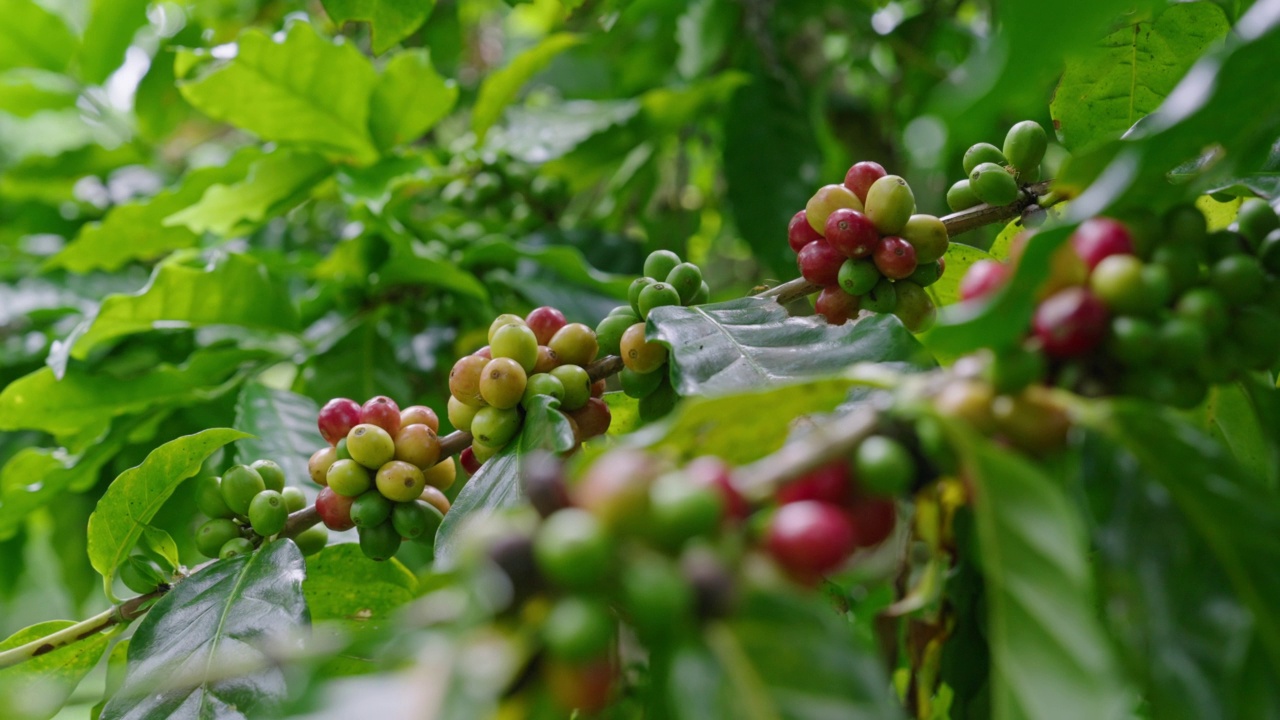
[
  {"x": 271, "y": 473},
  {"x": 578, "y": 629},
  {"x": 542, "y": 384},
  {"x": 593, "y": 419},
  {"x": 851, "y": 233},
  {"x": 609, "y": 332},
  {"x": 858, "y": 276},
  {"x": 883, "y": 298},
  {"x": 1012, "y": 369},
  {"x": 873, "y": 520},
  {"x": 1238, "y": 278},
  {"x": 460, "y": 415},
  {"x": 715, "y": 589},
  {"x": 545, "y": 322},
  {"x": 836, "y": 305},
  {"x": 1133, "y": 341},
  {"x": 348, "y": 478},
  {"x": 928, "y": 235},
  {"x": 140, "y": 575},
  {"x": 1070, "y": 323},
  {"x": 517, "y": 343},
  {"x": 575, "y": 344},
  {"x": 383, "y": 412},
  {"x": 1224, "y": 242},
  {"x": 960, "y": 196},
  {"x": 502, "y": 321},
  {"x": 495, "y": 427},
  {"x": 890, "y": 204},
  {"x": 639, "y": 354},
  {"x": 467, "y": 459},
  {"x": 212, "y": 535},
  {"x": 573, "y": 549},
  {"x": 1256, "y": 219},
  {"x": 820, "y": 263},
  {"x": 1099, "y": 238},
  {"x": 294, "y": 499},
  {"x": 1118, "y": 282},
  {"x": 342, "y": 451},
  {"x": 658, "y": 295},
  {"x": 1031, "y": 421},
  {"x": 660, "y": 402},
  {"x": 660, "y": 263},
  {"x": 686, "y": 278},
  {"x": 639, "y": 385},
  {"x": 655, "y": 598},
  {"x": 235, "y": 547},
  {"x": 1205, "y": 308},
  {"x": 993, "y": 185},
  {"x": 334, "y": 510},
  {"x": 827, "y": 200},
  {"x": 979, "y": 153},
  {"x": 312, "y": 540},
  {"x": 895, "y": 258},
  {"x": 547, "y": 360},
  {"x": 927, "y": 274},
  {"x": 370, "y": 445},
  {"x": 584, "y": 687},
  {"x": 239, "y": 485},
  {"x": 318, "y": 465},
  {"x": 809, "y": 539},
  {"x": 464, "y": 380},
  {"x": 502, "y": 384},
  {"x": 968, "y": 400},
  {"x": 370, "y": 509},
  {"x": 1182, "y": 267},
  {"x": 682, "y": 510},
  {"x": 441, "y": 475},
  {"x": 336, "y": 419},
  {"x": 883, "y": 466},
  {"x": 1024, "y": 146},
  {"x": 862, "y": 176},
  {"x": 633, "y": 292},
  {"x": 415, "y": 520},
  {"x": 800, "y": 232},
  {"x": 984, "y": 277},
  {"x": 400, "y": 481},
  {"x": 267, "y": 513},
  {"x": 1180, "y": 342},
  {"x": 418, "y": 445},
  {"x": 542, "y": 483},
  {"x": 209, "y": 497},
  {"x": 379, "y": 542},
  {"x": 615, "y": 488},
  {"x": 420, "y": 415},
  {"x": 484, "y": 352},
  {"x": 830, "y": 484},
  {"x": 703, "y": 296},
  {"x": 577, "y": 386}
]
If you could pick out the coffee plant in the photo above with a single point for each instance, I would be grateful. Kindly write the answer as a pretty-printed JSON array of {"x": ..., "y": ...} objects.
[{"x": 709, "y": 359}]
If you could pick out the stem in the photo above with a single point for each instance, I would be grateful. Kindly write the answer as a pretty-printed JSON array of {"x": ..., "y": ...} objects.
[{"x": 122, "y": 614}]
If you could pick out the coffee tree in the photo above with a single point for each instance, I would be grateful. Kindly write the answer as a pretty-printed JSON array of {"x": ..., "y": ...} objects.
[{"x": 651, "y": 359}]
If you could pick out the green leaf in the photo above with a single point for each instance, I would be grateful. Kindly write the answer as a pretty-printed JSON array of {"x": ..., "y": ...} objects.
[
  {"x": 304, "y": 90},
  {"x": 112, "y": 25},
  {"x": 1050, "y": 657},
  {"x": 275, "y": 183},
  {"x": 283, "y": 429},
  {"x": 205, "y": 649},
  {"x": 24, "y": 93},
  {"x": 753, "y": 343},
  {"x": 126, "y": 508},
  {"x": 136, "y": 231},
  {"x": 1245, "y": 417},
  {"x": 392, "y": 20},
  {"x": 411, "y": 97},
  {"x": 959, "y": 259},
  {"x": 81, "y": 400},
  {"x": 1104, "y": 92},
  {"x": 31, "y": 36},
  {"x": 497, "y": 485},
  {"x": 413, "y": 263},
  {"x": 116, "y": 664},
  {"x": 500, "y": 89},
  {"x": 343, "y": 586},
  {"x": 565, "y": 261},
  {"x": 538, "y": 134},
  {"x": 35, "y": 477},
  {"x": 232, "y": 290},
  {"x": 38, "y": 688}
]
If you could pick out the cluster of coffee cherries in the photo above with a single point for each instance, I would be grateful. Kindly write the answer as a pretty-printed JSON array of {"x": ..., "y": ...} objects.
[
  {"x": 666, "y": 282},
  {"x": 527, "y": 357},
  {"x": 497, "y": 190},
  {"x": 247, "y": 504},
  {"x": 381, "y": 473},
  {"x": 1156, "y": 307},
  {"x": 995, "y": 176},
  {"x": 863, "y": 242}
]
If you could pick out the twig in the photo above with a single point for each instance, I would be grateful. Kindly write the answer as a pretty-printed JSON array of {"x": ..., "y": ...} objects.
[{"x": 122, "y": 614}]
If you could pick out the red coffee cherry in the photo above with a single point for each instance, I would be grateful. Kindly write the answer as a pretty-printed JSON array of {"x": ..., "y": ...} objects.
[
  {"x": 1070, "y": 323},
  {"x": 336, "y": 419},
  {"x": 714, "y": 472},
  {"x": 983, "y": 278},
  {"x": 851, "y": 233},
  {"x": 383, "y": 412},
  {"x": 832, "y": 483},
  {"x": 1099, "y": 238},
  {"x": 836, "y": 305},
  {"x": 895, "y": 258},
  {"x": 809, "y": 538},
  {"x": 820, "y": 263},
  {"x": 334, "y": 510},
  {"x": 800, "y": 232},
  {"x": 862, "y": 176},
  {"x": 545, "y": 322}
]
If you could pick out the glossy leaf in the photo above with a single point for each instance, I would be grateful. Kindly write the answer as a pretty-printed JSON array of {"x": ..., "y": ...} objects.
[
  {"x": 411, "y": 97},
  {"x": 501, "y": 88},
  {"x": 203, "y": 650},
  {"x": 127, "y": 507},
  {"x": 343, "y": 586},
  {"x": 32, "y": 36},
  {"x": 391, "y": 20},
  {"x": 753, "y": 343},
  {"x": 303, "y": 90},
  {"x": 38, "y": 688},
  {"x": 1245, "y": 417},
  {"x": 1130, "y": 73},
  {"x": 282, "y": 426},
  {"x": 497, "y": 484},
  {"x": 274, "y": 184}
]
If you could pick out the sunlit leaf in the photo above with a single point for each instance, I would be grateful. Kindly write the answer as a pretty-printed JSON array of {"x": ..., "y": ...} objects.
[
  {"x": 274, "y": 184},
  {"x": 501, "y": 88},
  {"x": 392, "y": 20},
  {"x": 112, "y": 25},
  {"x": 32, "y": 36},
  {"x": 411, "y": 97}
]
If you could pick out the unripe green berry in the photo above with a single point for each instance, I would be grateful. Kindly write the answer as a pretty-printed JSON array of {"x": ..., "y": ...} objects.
[
  {"x": 609, "y": 332},
  {"x": 890, "y": 204},
  {"x": 209, "y": 498},
  {"x": 267, "y": 513},
  {"x": 686, "y": 278},
  {"x": 657, "y": 295},
  {"x": 577, "y": 386},
  {"x": 312, "y": 540},
  {"x": 235, "y": 547},
  {"x": 416, "y": 520},
  {"x": 979, "y": 153},
  {"x": 348, "y": 478},
  {"x": 1024, "y": 146},
  {"x": 370, "y": 509},
  {"x": 370, "y": 445},
  {"x": 379, "y": 542},
  {"x": 240, "y": 484},
  {"x": 212, "y": 535},
  {"x": 272, "y": 474},
  {"x": 660, "y": 263},
  {"x": 294, "y": 499},
  {"x": 858, "y": 276},
  {"x": 495, "y": 427},
  {"x": 518, "y": 343},
  {"x": 993, "y": 185},
  {"x": 960, "y": 196},
  {"x": 541, "y": 384}
]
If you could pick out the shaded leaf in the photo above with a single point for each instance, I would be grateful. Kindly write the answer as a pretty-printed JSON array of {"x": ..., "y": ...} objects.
[
  {"x": 202, "y": 651},
  {"x": 274, "y": 184},
  {"x": 392, "y": 20},
  {"x": 32, "y": 36},
  {"x": 753, "y": 343},
  {"x": 565, "y": 261},
  {"x": 539, "y": 134},
  {"x": 38, "y": 688},
  {"x": 283, "y": 428},
  {"x": 501, "y": 88},
  {"x": 126, "y": 508},
  {"x": 303, "y": 89},
  {"x": 1245, "y": 416},
  {"x": 342, "y": 585},
  {"x": 410, "y": 98}
]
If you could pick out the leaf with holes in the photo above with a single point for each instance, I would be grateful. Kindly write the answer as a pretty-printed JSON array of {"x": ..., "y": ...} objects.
[{"x": 205, "y": 651}]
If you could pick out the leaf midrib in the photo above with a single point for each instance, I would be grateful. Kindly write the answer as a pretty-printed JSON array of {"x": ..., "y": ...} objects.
[{"x": 217, "y": 634}]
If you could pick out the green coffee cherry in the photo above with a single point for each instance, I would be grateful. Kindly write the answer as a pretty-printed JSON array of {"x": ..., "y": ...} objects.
[
  {"x": 625, "y": 310},
  {"x": 927, "y": 274},
  {"x": 982, "y": 153},
  {"x": 882, "y": 298},
  {"x": 573, "y": 549},
  {"x": 1024, "y": 146},
  {"x": 609, "y": 331},
  {"x": 294, "y": 499},
  {"x": 1256, "y": 219},
  {"x": 235, "y": 547},
  {"x": 209, "y": 498},
  {"x": 928, "y": 235},
  {"x": 913, "y": 306},
  {"x": 502, "y": 321},
  {"x": 211, "y": 536},
  {"x": 890, "y": 204},
  {"x": 657, "y": 295},
  {"x": 379, "y": 542},
  {"x": 495, "y": 427},
  {"x": 993, "y": 185},
  {"x": 518, "y": 343},
  {"x": 686, "y": 278},
  {"x": 348, "y": 478},
  {"x": 1132, "y": 341},
  {"x": 681, "y": 509},
  {"x": 460, "y": 414},
  {"x": 577, "y": 386},
  {"x": 703, "y": 296},
  {"x": 267, "y": 513},
  {"x": 883, "y": 466},
  {"x": 660, "y": 263},
  {"x": 960, "y": 196},
  {"x": 1238, "y": 278},
  {"x": 240, "y": 484},
  {"x": 633, "y": 293},
  {"x": 639, "y": 385},
  {"x": 341, "y": 451},
  {"x": 578, "y": 629},
  {"x": 857, "y": 277},
  {"x": 272, "y": 474},
  {"x": 540, "y": 384},
  {"x": 416, "y": 520},
  {"x": 370, "y": 509},
  {"x": 312, "y": 540},
  {"x": 371, "y": 446}
]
